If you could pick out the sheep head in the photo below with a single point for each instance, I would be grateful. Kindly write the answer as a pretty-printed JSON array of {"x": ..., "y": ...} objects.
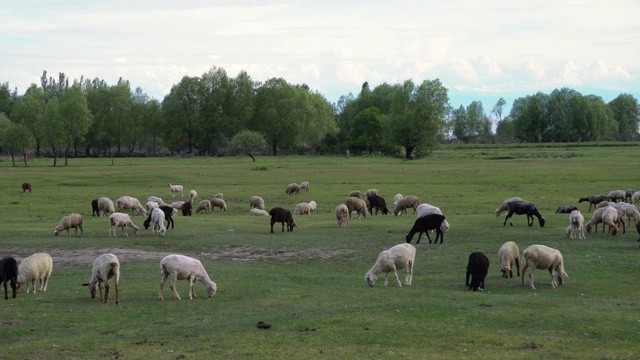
[{"x": 371, "y": 279}]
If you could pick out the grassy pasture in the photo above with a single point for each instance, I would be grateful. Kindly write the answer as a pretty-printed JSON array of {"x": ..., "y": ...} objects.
[{"x": 309, "y": 284}]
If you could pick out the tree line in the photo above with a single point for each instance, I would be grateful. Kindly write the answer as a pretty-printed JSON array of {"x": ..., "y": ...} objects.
[{"x": 215, "y": 114}]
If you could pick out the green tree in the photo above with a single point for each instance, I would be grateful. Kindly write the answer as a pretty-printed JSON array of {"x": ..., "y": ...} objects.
[
  {"x": 248, "y": 142},
  {"x": 29, "y": 111},
  {"x": 18, "y": 140},
  {"x": 367, "y": 131},
  {"x": 599, "y": 118},
  {"x": 76, "y": 119},
  {"x": 100, "y": 136},
  {"x": 119, "y": 115},
  {"x": 53, "y": 128},
  {"x": 213, "y": 123},
  {"x": 627, "y": 114},
  {"x": 181, "y": 110},
  {"x": 529, "y": 118}
]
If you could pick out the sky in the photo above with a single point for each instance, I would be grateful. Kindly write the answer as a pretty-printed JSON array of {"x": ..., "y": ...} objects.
[{"x": 481, "y": 50}]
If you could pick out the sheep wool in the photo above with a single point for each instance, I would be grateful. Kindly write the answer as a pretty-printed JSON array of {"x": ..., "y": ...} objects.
[
  {"x": 72, "y": 221},
  {"x": 105, "y": 268},
  {"x": 181, "y": 267},
  {"x": 35, "y": 267},
  {"x": 401, "y": 256},
  {"x": 543, "y": 257}
]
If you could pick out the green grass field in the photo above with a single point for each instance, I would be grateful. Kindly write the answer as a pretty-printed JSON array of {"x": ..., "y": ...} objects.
[{"x": 309, "y": 284}]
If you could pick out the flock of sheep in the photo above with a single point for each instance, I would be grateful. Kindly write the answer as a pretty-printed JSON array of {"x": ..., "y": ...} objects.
[{"x": 610, "y": 210}]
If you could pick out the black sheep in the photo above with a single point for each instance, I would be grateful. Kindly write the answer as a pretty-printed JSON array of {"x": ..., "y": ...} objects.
[
  {"x": 186, "y": 209},
  {"x": 168, "y": 215},
  {"x": 477, "y": 268},
  {"x": 566, "y": 209},
  {"x": 9, "y": 274},
  {"x": 283, "y": 216},
  {"x": 94, "y": 206},
  {"x": 594, "y": 200},
  {"x": 424, "y": 225},
  {"x": 522, "y": 207},
  {"x": 377, "y": 202}
]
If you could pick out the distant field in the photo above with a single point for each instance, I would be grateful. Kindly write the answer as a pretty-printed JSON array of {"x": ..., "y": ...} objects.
[{"x": 309, "y": 284}]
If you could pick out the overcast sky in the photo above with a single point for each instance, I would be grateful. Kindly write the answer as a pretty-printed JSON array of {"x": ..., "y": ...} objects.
[{"x": 481, "y": 50}]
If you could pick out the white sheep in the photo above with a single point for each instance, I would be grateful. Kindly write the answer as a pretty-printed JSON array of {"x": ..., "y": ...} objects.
[
  {"x": 205, "y": 205},
  {"x": 355, "y": 193},
  {"x": 71, "y": 221},
  {"x": 312, "y": 206},
  {"x": 105, "y": 206},
  {"x": 218, "y": 196},
  {"x": 302, "y": 208},
  {"x": 176, "y": 189},
  {"x": 358, "y": 205},
  {"x": 505, "y": 205},
  {"x": 613, "y": 217},
  {"x": 122, "y": 220},
  {"x": 105, "y": 267},
  {"x": 401, "y": 256},
  {"x": 177, "y": 204},
  {"x": 342, "y": 215},
  {"x": 193, "y": 195},
  {"x": 155, "y": 199},
  {"x": 259, "y": 212},
  {"x": 129, "y": 202},
  {"x": 304, "y": 186},
  {"x": 256, "y": 202},
  {"x": 595, "y": 220},
  {"x": 371, "y": 192},
  {"x": 218, "y": 203},
  {"x": 151, "y": 205},
  {"x": 181, "y": 267},
  {"x": 509, "y": 255},
  {"x": 426, "y": 209},
  {"x": 157, "y": 218},
  {"x": 35, "y": 267},
  {"x": 292, "y": 189},
  {"x": 406, "y": 202},
  {"x": 544, "y": 257},
  {"x": 576, "y": 225},
  {"x": 635, "y": 198},
  {"x": 396, "y": 198}
]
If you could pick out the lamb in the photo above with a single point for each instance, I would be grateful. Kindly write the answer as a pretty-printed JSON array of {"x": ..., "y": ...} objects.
[
  {"x": 256, "y": 202},
  {"x": 193, "y": 195},
  {"x": 378, "y": 203},
  {"x": 616, "y": 195},
  {"x": 304, "y": 186},
  {"x": 401, "y": 256},
  {"x": 176, "y": 189},
  {"x": 258, "y": 212},
  {"x": 594, "y": 199},
  {"x": 155, "y": 199},
  {"x": 355, "y": 193},
  {"x": 105, "y": 267},
  {"x": 521, "y": 207},
  {"x": 566, "y": 209},
  {"x": 312, "y": 207},
  {"x": 356, "y": 204},
  {"x": 151, "y": 205},
  {"x": 477, "y": 269},
  {"x": 215, "y": 202},
  {"x": 157, "y": 218},
  {"x": 283, "y": 216},
  {"x": 71, "y": 221},
  {"x": 26, "y": 186},
  {"x": 544, "y": 257},
  {"x": 35, "y": 267},
  {"x": 292, "y": 189},
  {"x": 405, "y": 203},
  {"x": 106, "y": 206},
  {"x": 123, "y": 221},
  {"x": 425, "y": 209},
  {"x": 205, "y": 205},
  {"x": 169, "y": 212},
  {"x": 94, "y": 207},
  {"x": 576, "y": 225},
  {"x": 181, "y": 267},
  {"x": 9, "y": 274},
  {"x": 302, "y": 209},
  {"x": 426, "y": 223},
  {"x": 505, "y": 205},
  {"x": 509, "y": 254},
  {"x": 128, "y": 202},
  {"x": 342, "y": 215},
  {"x": 186, "y": 209}
]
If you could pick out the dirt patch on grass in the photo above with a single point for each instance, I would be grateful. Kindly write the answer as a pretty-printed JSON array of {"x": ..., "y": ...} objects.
[{"x": 76, "y": 257}]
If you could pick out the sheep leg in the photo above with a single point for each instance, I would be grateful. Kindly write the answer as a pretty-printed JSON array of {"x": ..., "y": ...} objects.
[
  {"x": 117, "y": 296},
  {"x": 386, "y": 281},
  {"x": 174, "y": 279},
  {"x": 529, "y": 220},
  {"x": 192, "y": 292},
  {"x": 45, "y": 282},
  {"x": 395, "y": 272},
  {"x": 408, "y": 273},
  {"x": 524, "y": 271},
  {"x": 553, "y": 278},
  {"x": 517, "y": 267},
  {"x": 106, "y": 291},
  {"x": 531, "y": 278}
]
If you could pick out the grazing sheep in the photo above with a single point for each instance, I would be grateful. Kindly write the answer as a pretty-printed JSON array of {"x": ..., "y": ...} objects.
[
  {"x": 292, "y": 189},
  {"x": 26, "y": 186},
  {"x": 566, "y": 209},
  {"x": 302, "y": 209},
  {"x": 169, "y": 213},
  {"x": 9, "y": 274},
  {"x": 401, "y": 256},
  {"x": 123, "y": 221},
  {"x": 613, "y": 217},
  {"x": 105, "y": 267},
  {"x": 181, "y": 267},
  {"x": 356, "y": 204},
  {"x": 71, "y": 221},
  {"x": 128, "y": 202},
  {"x": 256, "y": 202},
  {"x": 371, "y": 192},
  {"x": 155, "y": 199},
  {"x": 521, "y": 207},
  {"x": 395, "y": 201},
  {"x": 426, "y": 223},
  {"x": 94, "y": 207},
  {"x": 176, "y": 189},
  {"x": 603, "y": 204},
  {"x": 177, "y": 204},
  {"x": 186, "y": 209},
  {"x": 509, "y": 254},
  {"x": 593, "y": 199},
  {"x": 193, "y": 195},
  {"x": 477, "y": 269},
  {"x": 35, "y": 267},
  {"x": 544, "y": 257},
  {"x": 405, "y": 203},
  {"x": 576, "y": 225},
  {"x": 157, "y": 218},
  {"x": 595, "y": 220},
  {"x": 616, "y": 195},
  {"x": 378, "y": 203},
  {"x": 355, "y": 193},
  {"x": 304, "y": 186},
  {"x": 426, "y": 209},
  {"x": 283, "y": 216},
  {"x": 218, "y": 196},
  {"x": 635, "y": 198},
  {"x": 630, "y": 211},
  {"x": 106, "y": 206},
  {"x": 218, "y": 203},
  {"x": 628, "y": 194},
  {"x": 342, "y": 215},
  {"x": 151, "y": 205},
  {"x": 505, "y": 205},
  {"x": 258, "y": 212},
  {"x": 204, "y": 205}
]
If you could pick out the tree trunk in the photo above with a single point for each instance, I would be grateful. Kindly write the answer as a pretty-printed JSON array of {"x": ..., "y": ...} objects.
[
  {"x": 55, "y": 156},
  {"x": 407, "y": 152},
  {"x": 251, "y": 156},
  {"x": 274, "y": 148},
  {"x": 24, "y": 157},
  {"x": 12, "y": 159}
]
